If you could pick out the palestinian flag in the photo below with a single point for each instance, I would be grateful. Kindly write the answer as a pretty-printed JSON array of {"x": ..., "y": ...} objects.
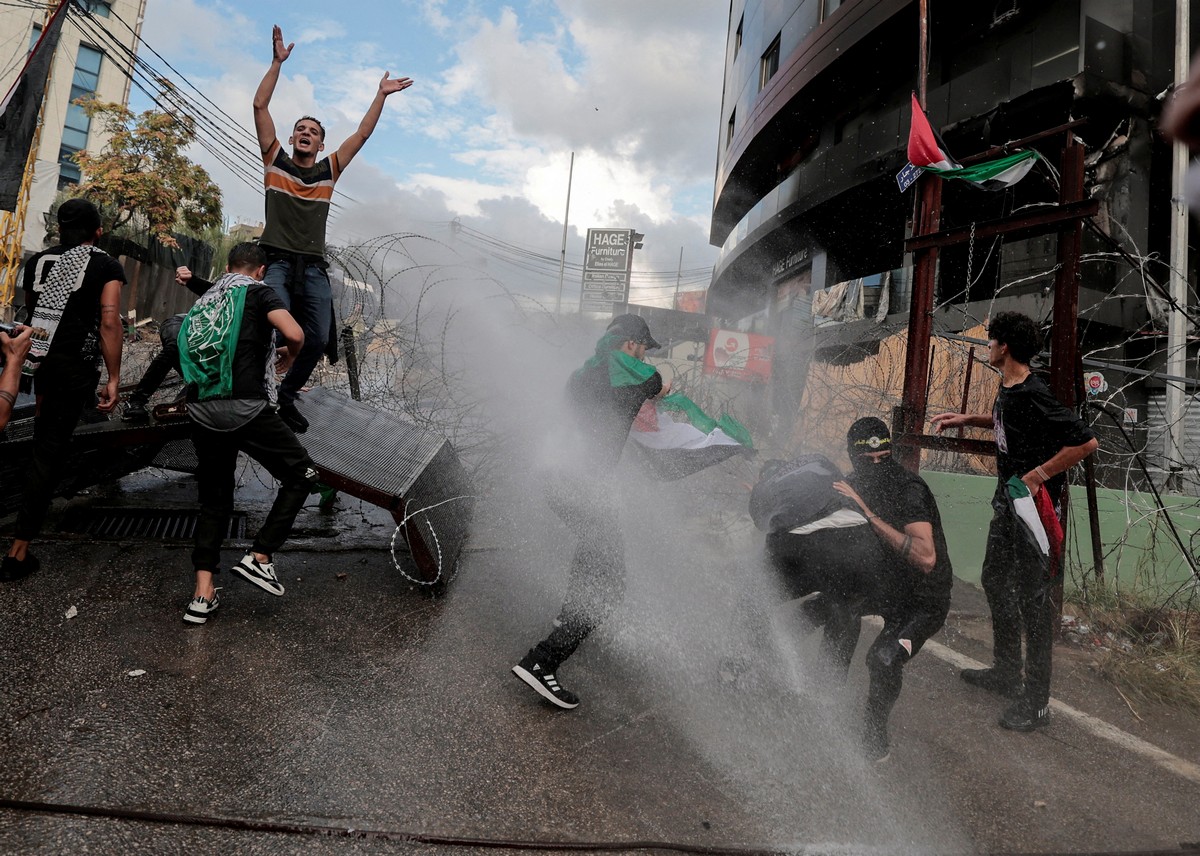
[
  {"x": 927, "y": 151},
  {"x": 1043, "y": 534},
  {"x": 673, "y": 449}
]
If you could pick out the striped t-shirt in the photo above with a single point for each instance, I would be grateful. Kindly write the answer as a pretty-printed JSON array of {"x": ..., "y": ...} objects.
[{"x": 298, "y": 200}]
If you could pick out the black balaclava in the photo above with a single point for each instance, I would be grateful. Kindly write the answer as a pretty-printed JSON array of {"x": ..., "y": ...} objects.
[{"x": 866, "y": 435}]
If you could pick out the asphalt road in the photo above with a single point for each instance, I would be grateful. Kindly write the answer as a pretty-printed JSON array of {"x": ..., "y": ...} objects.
[{"x": 357, "y": 701}]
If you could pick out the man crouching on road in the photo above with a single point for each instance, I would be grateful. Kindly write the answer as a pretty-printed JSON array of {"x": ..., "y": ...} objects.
[{"x": 916, "y": 567}]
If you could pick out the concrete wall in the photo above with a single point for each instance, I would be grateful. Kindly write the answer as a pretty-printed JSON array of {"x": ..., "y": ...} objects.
[{"x": 1139, "y": 552}]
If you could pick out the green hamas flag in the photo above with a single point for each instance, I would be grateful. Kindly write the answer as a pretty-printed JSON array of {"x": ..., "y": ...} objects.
[{"x": 209, "y": 334}]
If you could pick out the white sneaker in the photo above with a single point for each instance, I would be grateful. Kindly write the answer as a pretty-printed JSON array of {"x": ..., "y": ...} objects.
[
  {"x": 201, "y": 608},
  {"x": 262, "y": 575}
]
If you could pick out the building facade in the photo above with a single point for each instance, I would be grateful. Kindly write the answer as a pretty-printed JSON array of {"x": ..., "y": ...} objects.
[
  {"x": 815, "y": 119},
  {"x": 95, "y": 57}
]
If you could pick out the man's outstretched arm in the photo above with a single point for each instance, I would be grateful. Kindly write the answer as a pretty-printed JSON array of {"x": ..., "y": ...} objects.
[
  {"x": 347, "y": 150},
  {"x": 264, "y": 125}
]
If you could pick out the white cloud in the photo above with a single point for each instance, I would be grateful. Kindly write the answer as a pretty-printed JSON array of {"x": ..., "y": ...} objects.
[{"x": 486, "y": 133}]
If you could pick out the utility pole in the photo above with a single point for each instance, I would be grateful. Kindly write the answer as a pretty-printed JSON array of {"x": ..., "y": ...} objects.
[
  {"x": 1176, "y": 319},
  {"x": 678, "y": 280},
  {"x": 562, "y": 261},
  {"x": 927, "y": 212}
]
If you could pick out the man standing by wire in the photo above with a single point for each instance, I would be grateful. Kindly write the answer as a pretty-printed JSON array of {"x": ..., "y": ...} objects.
[
  {"x": 299, "y": 191},
  {"x": 916, "y": 574},
  {"x": 604, "y": 397},
  {"x": 1037, "y": 441}
]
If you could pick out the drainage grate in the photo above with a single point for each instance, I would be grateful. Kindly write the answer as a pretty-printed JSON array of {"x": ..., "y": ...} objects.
[{"x": 150, "y": 523}]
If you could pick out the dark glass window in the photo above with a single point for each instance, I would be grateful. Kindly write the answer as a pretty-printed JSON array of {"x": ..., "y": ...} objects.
[
  {"x": 100, "y": 8},
  {"x": 769, "y": 64},
  {"x": 77, "y": 125}
]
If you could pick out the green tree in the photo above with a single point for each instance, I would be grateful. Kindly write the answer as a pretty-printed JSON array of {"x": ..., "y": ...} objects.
[{"x": 143, "y": 176}]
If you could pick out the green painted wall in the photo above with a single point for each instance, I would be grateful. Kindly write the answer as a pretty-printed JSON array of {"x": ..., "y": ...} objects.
[{"x": 1139, "y": 551}]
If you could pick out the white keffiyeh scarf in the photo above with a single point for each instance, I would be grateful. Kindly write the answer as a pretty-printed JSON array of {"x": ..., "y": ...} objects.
[{"x": 64, "y": 279}]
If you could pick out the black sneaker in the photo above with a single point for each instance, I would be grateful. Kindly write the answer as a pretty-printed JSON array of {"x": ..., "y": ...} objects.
[
  {"x": 875, "y": 744},
  {"x": 135, "y": 411},
  {"x": 544, "y": 684},
  {"x": 992, "y": 680},
  {"x": 13, "y": 569},
  {"x": 289, "y": 414},
  {"x": 1023, "y": 716}
]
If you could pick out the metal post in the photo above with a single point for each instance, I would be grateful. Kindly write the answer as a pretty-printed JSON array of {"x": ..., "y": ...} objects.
[
  {"x": 351, "y": 362},
  {"x": 1176, "y": 321},
  {"x": 1064, "y": 338},
  {"x": 1089, "y": 481},
  {"x": 678, "y": 280},
  {"x": 927, "y": 215},
  {"x": 920, "y": 322},
  {"x": 562, "y": 261},
  {"x": 1064, "y": 331}
]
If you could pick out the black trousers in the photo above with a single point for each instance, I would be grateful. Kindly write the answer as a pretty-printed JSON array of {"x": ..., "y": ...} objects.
[
  {"x": 846, "y": 566},
  {"x": 596, "y": 577},
  {"x": 1018, "y": 595},
  {"x": 849, "y": 566},
  {"x": 268, "y": 440},
  {"x": 58, "y": 414},
  {"x": 905, "y": 630},
  {"x": 163, "y": 362}
]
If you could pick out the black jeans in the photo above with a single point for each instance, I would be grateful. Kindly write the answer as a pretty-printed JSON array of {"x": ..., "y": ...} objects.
[
  {"x": 846, "y": 566},
  {"x": 163, "y": 362},
  {"x": 905, "y": 630},
  {"x": 1018, "y": 595},
  {"x": 596, "y": 578},
  {"x": 58, "y": 414},
  {"x": 268, "y": 440}
]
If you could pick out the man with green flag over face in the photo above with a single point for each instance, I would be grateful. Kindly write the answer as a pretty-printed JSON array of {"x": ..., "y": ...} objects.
[{"x": 604, "y": 397}]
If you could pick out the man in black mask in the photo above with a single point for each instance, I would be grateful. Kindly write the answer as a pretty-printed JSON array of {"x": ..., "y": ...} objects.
[{"x": 917, "y": 575}]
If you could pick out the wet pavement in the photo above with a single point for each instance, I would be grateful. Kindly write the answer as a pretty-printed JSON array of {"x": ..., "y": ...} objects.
[{"x": 358, "y": 701}]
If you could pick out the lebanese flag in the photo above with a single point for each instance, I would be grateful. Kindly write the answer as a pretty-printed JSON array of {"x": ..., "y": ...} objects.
[{"x": 927, "y": 151}]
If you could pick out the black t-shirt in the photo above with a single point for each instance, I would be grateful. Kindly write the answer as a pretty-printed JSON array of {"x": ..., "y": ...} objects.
[
  {"x": 604, "y": 413},
  {"x": 900, "y": 499},
  {"x": 1031, "y": 428},
  {"x": 72, "y": 362},
  {"x": 255, "y": 342}
]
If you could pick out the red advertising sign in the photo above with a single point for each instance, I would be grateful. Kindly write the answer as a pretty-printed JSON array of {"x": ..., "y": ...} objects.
[
  {"x": 691, "y": 301},
  {"x": 744, "y": 356}
]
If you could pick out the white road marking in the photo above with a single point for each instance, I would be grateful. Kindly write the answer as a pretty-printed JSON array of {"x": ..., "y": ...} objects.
[{"x": 1093, "y": 725}]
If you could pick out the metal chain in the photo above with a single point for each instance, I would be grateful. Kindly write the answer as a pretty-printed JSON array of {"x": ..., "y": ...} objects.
[{"x": 970, "y": 273}]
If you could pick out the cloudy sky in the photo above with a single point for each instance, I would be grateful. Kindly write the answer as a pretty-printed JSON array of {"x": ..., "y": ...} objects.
[{"x": 503, "y": 94}]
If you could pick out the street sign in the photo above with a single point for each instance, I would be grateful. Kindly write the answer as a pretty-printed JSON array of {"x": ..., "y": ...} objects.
[
  {"x": 607, "y": 260},
  {"x": 906, "y": 176}
]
